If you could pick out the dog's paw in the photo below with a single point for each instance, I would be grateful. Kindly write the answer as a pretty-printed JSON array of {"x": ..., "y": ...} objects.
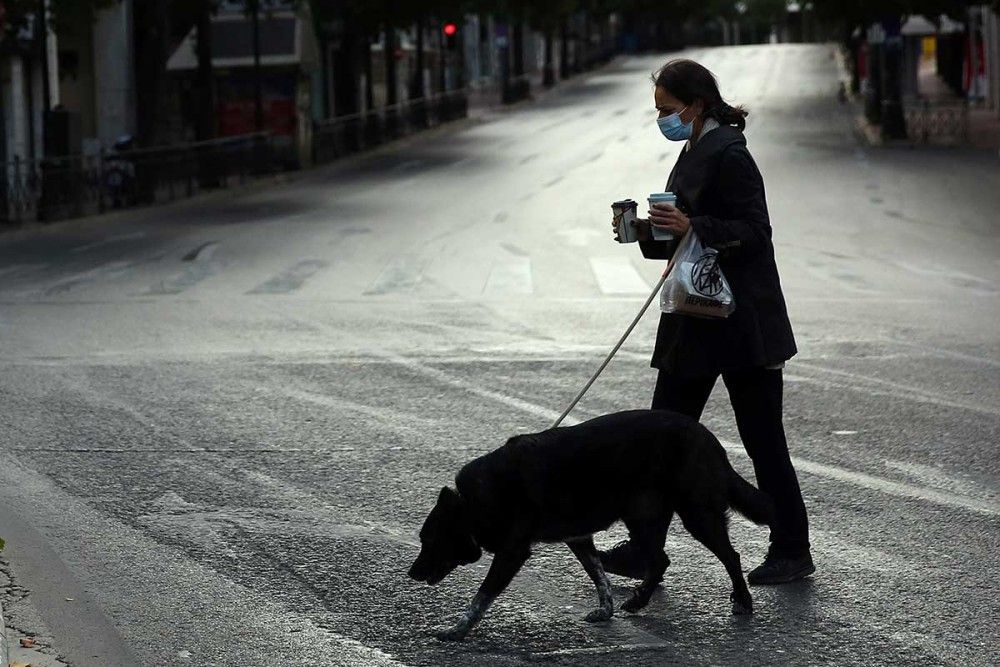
[
  {"x": 455, "y": 634},
  {"x": 600, "y": 615},
  {"x": 741, "y": 607},
  {"x": 634, "y": 604}
]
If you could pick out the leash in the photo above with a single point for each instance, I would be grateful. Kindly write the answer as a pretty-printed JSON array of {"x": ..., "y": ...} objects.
[{"x": 614, "y": 350}]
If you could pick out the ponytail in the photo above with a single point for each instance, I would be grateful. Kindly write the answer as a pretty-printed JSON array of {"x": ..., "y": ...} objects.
[
  {"x": 688, "y": 81},
  {"x": 728, "y": 115}
]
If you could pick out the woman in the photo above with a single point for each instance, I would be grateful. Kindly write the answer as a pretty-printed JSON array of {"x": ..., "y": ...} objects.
[{"x": 720, "y": 195}]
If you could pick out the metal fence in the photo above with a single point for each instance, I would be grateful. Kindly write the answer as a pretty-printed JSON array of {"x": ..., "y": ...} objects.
[
  {"x": 77, "y": 185},
  {"x": 335, "y": 137},
  {"x": 932, "y": 122}
]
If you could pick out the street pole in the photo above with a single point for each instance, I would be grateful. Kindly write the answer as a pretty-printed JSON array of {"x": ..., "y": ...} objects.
[
  {"x": 873, "y": 96},
  {"x": 893, "y": 119},
  {"x": 43, "y": 41},
  {"x": 258, "y": 99},
  {"x": 548, "y": 76},
  {"x": 564, "y": 48}
]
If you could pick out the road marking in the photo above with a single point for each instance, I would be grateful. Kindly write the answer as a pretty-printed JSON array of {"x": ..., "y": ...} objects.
[
  {"x": 109, "y": 270},
  {"x": 290, "y": 279},
  {"x": 901, "y": 489},
  {"x": 108, "y": 241},
  {"x": 202, "y": 253},
  {"x": 391, "y": 419},
  {"x": 948, "y": 353},
  {"x": 407, "y": 165},
  {"x": 510, "y": 276},
  {"x": 191, "y": 276},
  {"x": 864, "y": 480},
  {"x": 39, "y": 500},
  {"x": 580, "y": 237},
  {"x": 13, "y": 268},
  {"x": 616, "y": 275},
  {"x": 908, "y": 391},
  {"x": 937, "y": 478},
  {"x": 448, "y": 379},
  {"x": 948, "y": 273},
  {"x": 603, "y": 650},
  {"x": 402, "y": 274}
]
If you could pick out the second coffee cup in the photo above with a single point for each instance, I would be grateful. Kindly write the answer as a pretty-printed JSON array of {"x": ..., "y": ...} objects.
[{"x": 661, "y": 198}]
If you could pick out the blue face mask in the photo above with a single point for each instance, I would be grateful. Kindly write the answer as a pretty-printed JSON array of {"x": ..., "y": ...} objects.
[{"x": 673, "y": 128}]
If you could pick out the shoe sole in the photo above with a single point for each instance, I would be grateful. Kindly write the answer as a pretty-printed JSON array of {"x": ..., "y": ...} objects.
[{"x": 787, "y": 579}]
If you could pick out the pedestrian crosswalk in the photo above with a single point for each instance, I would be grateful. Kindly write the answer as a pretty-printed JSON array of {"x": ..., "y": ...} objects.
[
  {"x": 511, "y": 276},
  {"x": 617, "y": 275},
  {"x": 414, "y": 275}
]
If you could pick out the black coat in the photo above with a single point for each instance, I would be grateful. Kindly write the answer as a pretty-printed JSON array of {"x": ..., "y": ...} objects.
[{"x": 720, "y": 189}]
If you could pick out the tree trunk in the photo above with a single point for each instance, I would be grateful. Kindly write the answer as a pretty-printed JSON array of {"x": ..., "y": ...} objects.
[
  {"x": 258, "y": 96},
  {"x": 389, "y": 56},
  {"x": 204, "y": 86},
  {"x": 348, "y": 64},
  {"x": 366, "y": 59},
  {"x": 152, "y": 21},
  {"x": 417, "y": 80},
  {"x": 564, "y": 49},
  {"x": 548, "y": 76},
  {"x": 518, "y": 47},
  {"x": 442, "y": 61}
]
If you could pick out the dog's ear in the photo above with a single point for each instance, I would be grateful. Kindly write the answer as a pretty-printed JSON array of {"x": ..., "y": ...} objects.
[
  {"x": 469, "y": 551},
  {"x": 449, "y": 496}
]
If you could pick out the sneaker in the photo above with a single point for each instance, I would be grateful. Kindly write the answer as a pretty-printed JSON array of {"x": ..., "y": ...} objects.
[
  {"x": 781, "y": 570},
  {"x": 623, "y": 560}
]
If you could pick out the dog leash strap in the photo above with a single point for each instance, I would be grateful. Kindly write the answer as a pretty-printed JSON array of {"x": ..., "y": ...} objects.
[{"x": 614, "y": 350}]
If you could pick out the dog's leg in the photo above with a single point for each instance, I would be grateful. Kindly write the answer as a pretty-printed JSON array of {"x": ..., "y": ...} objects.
[
  {"x": 502, "y": 570},
  {"x": 650, "y": 541},
  {"x": 586, "y": 553},
  {"x": 709, "y": 528}
]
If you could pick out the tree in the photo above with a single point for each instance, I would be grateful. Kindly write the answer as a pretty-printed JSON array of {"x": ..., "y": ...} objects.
[
  {"x": 152, "y": 20},
  {"x": 65, "y": 16}
]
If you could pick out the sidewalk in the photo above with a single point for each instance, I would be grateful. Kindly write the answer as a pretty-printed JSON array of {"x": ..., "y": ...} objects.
[
  {"x": 23, "y": 641},
  {"x": 485, "y": 102},
  {"x": 982, "y": 130}
]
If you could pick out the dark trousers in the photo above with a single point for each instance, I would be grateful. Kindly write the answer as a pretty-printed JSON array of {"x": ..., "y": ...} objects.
[{"x": 755, "y": 394}]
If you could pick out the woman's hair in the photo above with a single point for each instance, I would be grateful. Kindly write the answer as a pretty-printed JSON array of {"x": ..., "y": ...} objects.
[{"x": 688, "y": 81}]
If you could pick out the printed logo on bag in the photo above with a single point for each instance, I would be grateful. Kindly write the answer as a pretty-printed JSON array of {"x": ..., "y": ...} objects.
[{"x": 706, "y": 276}]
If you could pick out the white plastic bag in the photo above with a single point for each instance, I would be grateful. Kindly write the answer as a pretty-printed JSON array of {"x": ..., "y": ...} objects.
[{"x": 696, "y": 285}]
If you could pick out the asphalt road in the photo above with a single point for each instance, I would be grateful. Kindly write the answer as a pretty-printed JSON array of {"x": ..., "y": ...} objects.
[{"x": 224, "y": 420}]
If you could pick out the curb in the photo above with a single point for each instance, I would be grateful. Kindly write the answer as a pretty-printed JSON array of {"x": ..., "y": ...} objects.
[{"x": 4, "y": 650}]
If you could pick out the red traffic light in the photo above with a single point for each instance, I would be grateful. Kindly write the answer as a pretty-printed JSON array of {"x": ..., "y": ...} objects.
[{"x": 450, "y": 29}]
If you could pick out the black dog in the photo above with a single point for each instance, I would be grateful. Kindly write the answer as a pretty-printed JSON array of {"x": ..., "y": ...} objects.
[{"x": 565, "y": 484}]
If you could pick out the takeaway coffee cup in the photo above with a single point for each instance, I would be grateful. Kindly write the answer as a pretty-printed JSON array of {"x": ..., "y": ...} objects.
[
  {"x": 661, "y": 198},
  {"x": 624, "y": 220}
]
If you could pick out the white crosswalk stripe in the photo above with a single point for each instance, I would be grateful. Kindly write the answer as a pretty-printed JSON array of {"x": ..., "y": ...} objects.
[
  {"x": 617, "y": 275},
  {"x": 404, "y": 273},
  {"x": 510, "y": 276}
]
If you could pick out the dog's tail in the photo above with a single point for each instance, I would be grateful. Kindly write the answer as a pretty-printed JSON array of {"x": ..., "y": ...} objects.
[{"x": 748, "y": 500}]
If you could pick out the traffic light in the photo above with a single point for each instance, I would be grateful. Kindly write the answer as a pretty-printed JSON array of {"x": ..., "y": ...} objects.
[{"x": 450, "y": 31}]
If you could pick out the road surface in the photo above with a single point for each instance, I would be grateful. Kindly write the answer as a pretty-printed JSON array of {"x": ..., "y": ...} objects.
[{"x": 224, "y": 420}]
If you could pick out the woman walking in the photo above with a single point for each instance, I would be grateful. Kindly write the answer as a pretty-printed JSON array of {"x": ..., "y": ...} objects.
[{"x": 720, "y": 195}]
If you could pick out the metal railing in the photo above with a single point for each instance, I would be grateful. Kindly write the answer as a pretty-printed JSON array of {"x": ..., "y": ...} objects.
[
  {"x": 70, "y": 186},
  {"x": 343, "y": 135},
  {"x": 927, "y": 121}
]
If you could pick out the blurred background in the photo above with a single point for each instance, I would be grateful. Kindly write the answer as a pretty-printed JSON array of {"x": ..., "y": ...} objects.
[{"x": 111, "y": 103}]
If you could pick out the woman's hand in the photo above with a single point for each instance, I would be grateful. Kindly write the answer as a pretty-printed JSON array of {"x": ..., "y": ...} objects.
[
  {"x": 641, "y": 227},
  {"x": 669, "y": 218}
]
